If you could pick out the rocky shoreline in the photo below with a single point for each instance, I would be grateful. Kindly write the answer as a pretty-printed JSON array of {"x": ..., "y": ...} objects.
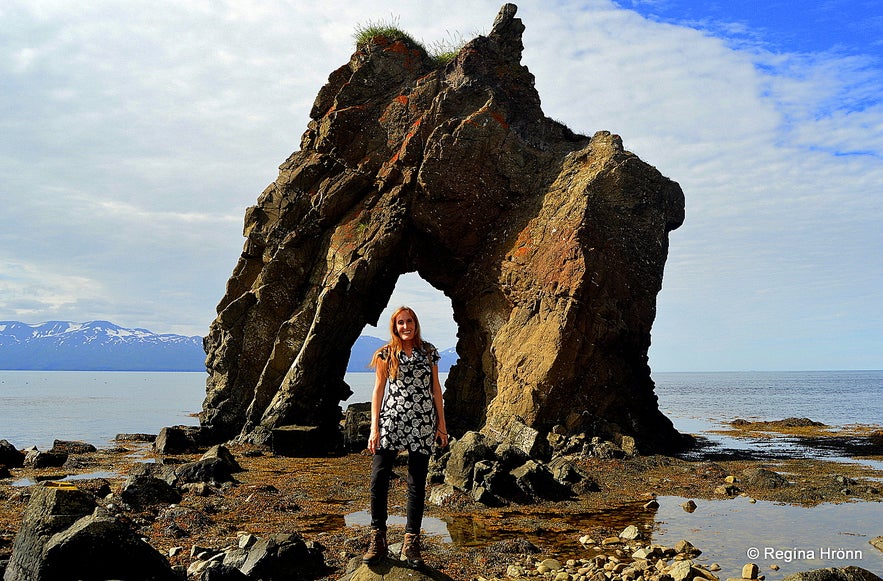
[{"x": 238, "y": 512}]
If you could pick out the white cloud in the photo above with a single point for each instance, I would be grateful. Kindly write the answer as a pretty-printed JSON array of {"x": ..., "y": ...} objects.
[{"x": 134, "y": 140}]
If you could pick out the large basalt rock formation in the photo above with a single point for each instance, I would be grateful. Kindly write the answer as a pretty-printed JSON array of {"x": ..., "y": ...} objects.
[
  {"x": 65, "y": 535},
  {"x": 550, "y": 246}
]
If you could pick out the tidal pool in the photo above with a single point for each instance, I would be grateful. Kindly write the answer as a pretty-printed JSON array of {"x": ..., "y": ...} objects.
[{"x": 729, "y": 532}]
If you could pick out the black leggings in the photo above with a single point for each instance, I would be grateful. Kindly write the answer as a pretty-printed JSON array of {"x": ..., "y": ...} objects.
[{"x": 381, "y": 472}]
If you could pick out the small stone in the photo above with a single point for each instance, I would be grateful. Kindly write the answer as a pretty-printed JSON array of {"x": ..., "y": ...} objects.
[
  {"x": 714, "y": 567},
  {"x": 611, "y": 541},
  {"x": 175, "y": 551},
  {"x": 514, "y": 571},
  {"x": 689, "y": 506},
  {"x": 774, "y": 567},
  {"x": 550, "y": 565},
  {"x": 877, "y": 542},
  {"x": 587, "y": 540},
  {"x": 684, "y": 547},
  {"x": 730, "y": 479},
  {"x": 728, "y": 490},
  {"x": 196, "y": 568},
  {"x": 681, "y": 570},
  {"x": 562, "y": 576},
  {"x": 651, "y": 505},
  {"x": 246, "y": 540},
  {"x": 630, "y": 533},
  {"x": 750, "y": 571}
]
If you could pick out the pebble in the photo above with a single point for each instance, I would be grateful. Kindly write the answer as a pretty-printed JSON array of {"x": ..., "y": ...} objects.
[
  {"x": 639, "y": 563},
  {"x": 750, "y": 571},
  {"x": 630, "y": 533},
  {"x": 549, "y": 565}
]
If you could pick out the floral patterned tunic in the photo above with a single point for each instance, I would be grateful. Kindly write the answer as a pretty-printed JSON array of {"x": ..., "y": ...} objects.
[{"x": 407, "y": 416}]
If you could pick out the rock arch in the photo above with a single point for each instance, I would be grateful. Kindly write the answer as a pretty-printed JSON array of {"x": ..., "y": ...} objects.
[{"x": 550, "y": 246}]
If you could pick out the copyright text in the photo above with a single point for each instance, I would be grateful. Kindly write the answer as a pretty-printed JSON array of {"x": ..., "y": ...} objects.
[{"x": 788, "y": 555}]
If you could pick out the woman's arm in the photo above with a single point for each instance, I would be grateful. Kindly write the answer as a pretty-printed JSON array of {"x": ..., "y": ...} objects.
[
  {"x": 441, "y": 431},
  {"x": 376, "y": 402}
]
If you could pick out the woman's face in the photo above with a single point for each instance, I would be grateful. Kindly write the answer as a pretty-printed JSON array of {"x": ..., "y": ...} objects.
[{"x": 405, "y": 325}]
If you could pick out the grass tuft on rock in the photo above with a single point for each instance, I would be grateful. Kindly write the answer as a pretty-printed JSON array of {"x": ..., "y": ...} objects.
[{"x": 441, "y": 52}]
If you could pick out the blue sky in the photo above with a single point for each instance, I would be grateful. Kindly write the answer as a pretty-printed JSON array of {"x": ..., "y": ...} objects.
[{"x": 135, "y": 135}]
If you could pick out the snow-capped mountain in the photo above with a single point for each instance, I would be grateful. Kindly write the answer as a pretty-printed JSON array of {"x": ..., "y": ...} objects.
[
  {"x": 95, "y": 346},
  {"x": 104, "y": 346}
]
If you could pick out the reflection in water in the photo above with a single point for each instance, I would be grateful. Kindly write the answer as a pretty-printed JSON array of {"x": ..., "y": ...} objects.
[
  {"x": 431, "y": 526},
  {"x": 794, "y": 538},
  {"x": 108, "y": 474},
  {"x": 559, "y": 529}
]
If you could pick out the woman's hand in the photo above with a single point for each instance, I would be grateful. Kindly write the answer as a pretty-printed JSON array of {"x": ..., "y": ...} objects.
[
  {"x": 374, "y": 441},
  {"x": 441, "y": 437}
]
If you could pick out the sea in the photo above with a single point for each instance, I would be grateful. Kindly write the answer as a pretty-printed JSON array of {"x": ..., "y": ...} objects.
[{"x": 38, "y": 407}]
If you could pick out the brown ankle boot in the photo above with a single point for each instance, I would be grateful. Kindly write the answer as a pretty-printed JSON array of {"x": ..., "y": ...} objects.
[
  {"x": 377, "y": 548},
  {"x": 411, "y": 550}
]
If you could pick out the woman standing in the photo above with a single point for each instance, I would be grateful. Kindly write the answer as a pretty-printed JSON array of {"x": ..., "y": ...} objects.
[{"x": 411, "y": 417}]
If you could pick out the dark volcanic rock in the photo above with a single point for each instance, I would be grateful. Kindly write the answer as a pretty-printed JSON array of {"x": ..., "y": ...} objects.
[
  {"x": 143, "y": 490},
  {"x": 10, "y": 456},
  {"x": 64, "y": 535},
  {"x": 71, "y": 447},
  {"x": 177, "y": 440},
  {"x": 835, "y": 574},
  {"x": 550, "y": 246}
]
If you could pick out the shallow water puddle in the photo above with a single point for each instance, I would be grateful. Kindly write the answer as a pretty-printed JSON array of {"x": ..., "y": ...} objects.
[
  {"x": 730, "y": 532},
  {"x": 109, "y": 474}
]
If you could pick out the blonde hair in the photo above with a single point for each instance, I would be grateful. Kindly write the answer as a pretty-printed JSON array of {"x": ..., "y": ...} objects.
[{"x": 389, "y": 353}]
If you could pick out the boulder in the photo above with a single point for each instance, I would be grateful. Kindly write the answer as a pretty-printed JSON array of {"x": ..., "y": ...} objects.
[
  {"x": 223, "y": 573},
  {"x": 165, "y": 472},
  {"x": 519, "y": 436},
  {"x": 144, "y": 490},
  {"x": 572, "y": 476},
  {"x": 763, "y": 478},
  {"x": 63, "y": 531},
  {"x": 209, "y": 470},
  {"x": 389, "y": 569},
  {"x": 465, "y": 452},
  {"x": 37, "y": 459},
  {"x": 536, "y": 481},
  {"x": 550, "y": 246},
  {"x": 222, "y": 452},
  {"x": 177, "y": 440},
  {"x": 850, "y": 573},
  {"x": 72, "y": 447},
  {"x": 357, "y": 426},
  {"x": 304, "y": 441},
  {"x": 138, "y": 437},
  {"x": 280, "y": 557},
  {"x": 10, "y": 456}
]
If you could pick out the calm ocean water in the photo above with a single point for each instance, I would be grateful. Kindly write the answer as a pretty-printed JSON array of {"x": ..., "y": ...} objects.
[
  {"x": 39, "y": 406},
  {"x": 36, "y": 407}
]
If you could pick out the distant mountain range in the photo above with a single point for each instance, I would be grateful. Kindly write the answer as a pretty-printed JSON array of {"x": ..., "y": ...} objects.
[
  {"x": 104, "y": 346},
  {"x": 95, "y": 346},
  {"x": 365, "y": 346}
]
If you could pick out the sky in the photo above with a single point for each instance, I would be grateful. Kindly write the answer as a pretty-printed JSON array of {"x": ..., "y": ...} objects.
[{"x": 134, "y": 135}]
